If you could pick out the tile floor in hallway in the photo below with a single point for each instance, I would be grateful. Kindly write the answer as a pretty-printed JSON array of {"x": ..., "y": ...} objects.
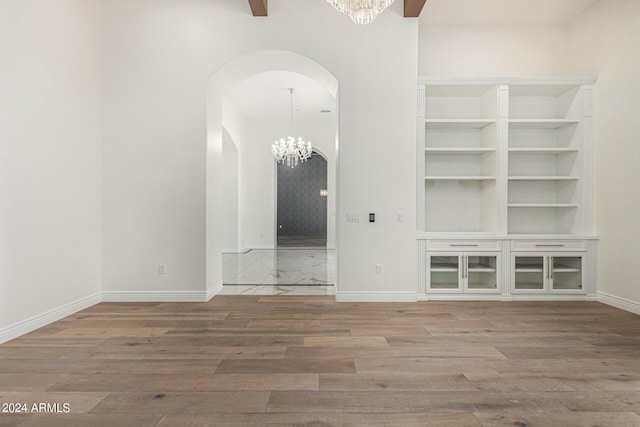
[{"x": 289, "y": 271}]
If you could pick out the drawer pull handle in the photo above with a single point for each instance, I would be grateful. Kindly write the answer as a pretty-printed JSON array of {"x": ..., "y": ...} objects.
[
  {"x": 549, "y": 246},
  {"x": 463, "y": 246}
]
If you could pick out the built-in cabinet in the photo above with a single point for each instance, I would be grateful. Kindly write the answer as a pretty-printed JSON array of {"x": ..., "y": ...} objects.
[
  {"x": 505, "y": 161},
  {"x": 463, "y": 267}
]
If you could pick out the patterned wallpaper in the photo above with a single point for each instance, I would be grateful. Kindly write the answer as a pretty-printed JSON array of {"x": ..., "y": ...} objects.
[{"x": 302, "y": 211}]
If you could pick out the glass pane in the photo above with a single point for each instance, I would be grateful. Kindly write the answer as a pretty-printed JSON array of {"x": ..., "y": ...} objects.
[
  {"x": 567, "y": 273},
  {"x": 444, "y": 272},
  {"x": 529, "y": 273},
  {"x": 482, "y": 272}
]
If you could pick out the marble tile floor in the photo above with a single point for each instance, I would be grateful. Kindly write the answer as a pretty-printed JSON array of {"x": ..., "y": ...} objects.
[
  {"x": 277, "y": 290},
  {"x": 279, "y": 272}
]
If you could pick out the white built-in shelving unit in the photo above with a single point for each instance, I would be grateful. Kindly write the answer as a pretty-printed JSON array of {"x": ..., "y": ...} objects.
[{"x": 503, "y": 163}]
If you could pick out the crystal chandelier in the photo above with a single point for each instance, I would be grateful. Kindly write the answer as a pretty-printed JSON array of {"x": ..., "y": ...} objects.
[
  {"x": 289, "y": 150},
  {"x": 361, "y": 11}
]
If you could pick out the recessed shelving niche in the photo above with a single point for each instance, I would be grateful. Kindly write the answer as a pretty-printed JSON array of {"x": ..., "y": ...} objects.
[
  {"x": 544, "y": 175},
  {"x": 460, "y": 160}
]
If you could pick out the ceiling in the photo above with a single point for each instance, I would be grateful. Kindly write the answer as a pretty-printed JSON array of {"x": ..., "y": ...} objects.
[
  {"x": 266, "y": 96},
  {"x": 502, "y": 12}
]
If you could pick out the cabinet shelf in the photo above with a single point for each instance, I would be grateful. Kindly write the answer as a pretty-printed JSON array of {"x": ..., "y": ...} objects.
[
  {"x": 529, "y": 286},
  {"x": 542, "y": 205},
  {"x": 544, "y": 150},
  {"x": 566, "y": 270},
  {"x": 460, "y": 178},
  {"x": 529, "y": 270},
  {"x": 541, "y": 123},
  {"x": 481, "y": 270},
  {"x": 543, "y": 178},
  {"x": 444, "y": 270},
  {"x": 444, "y": 285},
  {"x": 460, "y": 150},
  {"x": 458, "y": 123}
]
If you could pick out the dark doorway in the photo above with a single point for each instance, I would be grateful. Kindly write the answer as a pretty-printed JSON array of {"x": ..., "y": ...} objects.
[{"x": 302, "y": 204}]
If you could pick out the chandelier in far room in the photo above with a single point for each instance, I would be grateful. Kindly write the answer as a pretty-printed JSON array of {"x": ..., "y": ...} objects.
[
  {"x": 290, "y": 150},
  {"x": 361, "y": 11}
]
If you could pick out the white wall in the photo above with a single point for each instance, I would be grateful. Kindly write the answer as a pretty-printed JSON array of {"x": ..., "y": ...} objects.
[
  {"x": 157, "y": 58},
  {"x": 604, "y": 41},
  {"x": 470, "y": 51},
  {"x": 235, "y": 125},
  {"x": 49, "y": 159},
  {"x": 229, "y": 199},
  {"x": 260, "y": 177}
]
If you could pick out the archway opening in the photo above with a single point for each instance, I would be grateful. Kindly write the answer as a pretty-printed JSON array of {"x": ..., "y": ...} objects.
[
  {"x": 223, "y": 114},
  {"x": 301, "y": 199}
]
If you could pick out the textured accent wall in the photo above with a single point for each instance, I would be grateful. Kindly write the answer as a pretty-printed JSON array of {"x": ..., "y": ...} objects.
[{"x": 302, "y": 211}]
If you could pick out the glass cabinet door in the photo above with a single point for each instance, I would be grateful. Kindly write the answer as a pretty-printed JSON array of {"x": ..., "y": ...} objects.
[
  {"x": 481, "y": 272},
  {"x": 529, "y": 273},
  {"x": 444, "y": 272},
  {"x": 566, "y": 272}
]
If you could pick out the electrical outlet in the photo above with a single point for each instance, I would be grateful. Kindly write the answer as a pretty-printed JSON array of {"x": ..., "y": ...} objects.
[
  {"x": 162, "y": 269},
  {"x": 353, "y": 217},
  {"x": 378, "y": 268}
]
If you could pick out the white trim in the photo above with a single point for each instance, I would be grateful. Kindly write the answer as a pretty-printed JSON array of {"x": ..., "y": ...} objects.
[
  {"x": 155, "y": 296},
  {"x": 376, "y": 297},
  {"x": 550, "y": 297},
  {"x": 463, "y": 297},
  {"x": 618, "y": 302},
  {"x": 48, "y": 317},
  {"x": 507, "y": 80}
]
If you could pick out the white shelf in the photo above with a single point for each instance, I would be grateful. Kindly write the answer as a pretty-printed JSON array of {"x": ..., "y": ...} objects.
[
  {"x": 543, "y": 205},
  {"x": 458, "y": 123},
  {"x": 529, "y": 286},
  {"x": 460, "y": 178},
  {"x": 444, "y": 270},
  {"x": 481, "y": 270},
  {"x": 444, "y": 285},
  {"x": 540, "y": 123},
  {"x": 543, "y": 178},
  {"x": 529, "y": 270},
  {"x": 549, "y": 150},
  {"x": 459, "y": 150},
  {"x": 566, "y": 270}
]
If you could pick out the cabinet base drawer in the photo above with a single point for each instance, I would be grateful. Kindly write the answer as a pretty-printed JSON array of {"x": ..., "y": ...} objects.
[
  {"x": 548, "y": 245},
  {"x": 463, "y": 245}
]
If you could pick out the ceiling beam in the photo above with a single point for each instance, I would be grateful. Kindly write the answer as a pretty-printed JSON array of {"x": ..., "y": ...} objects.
[
  {"x": 412, "y": 8},
  {"x": 259, "y": 7}
]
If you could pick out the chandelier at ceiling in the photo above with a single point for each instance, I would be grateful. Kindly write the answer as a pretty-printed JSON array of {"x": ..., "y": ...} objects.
[
  {"x": 289, "y": 150},
  {"x": 361, "y": 11}
]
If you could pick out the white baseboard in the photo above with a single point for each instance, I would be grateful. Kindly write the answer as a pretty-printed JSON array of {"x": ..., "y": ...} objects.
[
  {"x": 212, "y": 292},
  {"x": 463, "y": 297},
  {"x": 618, "y": 302},
  {"x": 376, "y": 297},
  {"x": 166, "y": 296},
  {"x": 35, "y": 322}
]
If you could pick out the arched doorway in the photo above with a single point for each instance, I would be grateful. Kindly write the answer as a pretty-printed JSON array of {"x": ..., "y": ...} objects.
[
  {"x": 218, "y": 89},
  {"x": 302, "y": 204}
]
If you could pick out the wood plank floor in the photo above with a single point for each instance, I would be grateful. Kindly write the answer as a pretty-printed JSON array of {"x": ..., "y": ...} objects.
[{"x": 309, "y": 361}]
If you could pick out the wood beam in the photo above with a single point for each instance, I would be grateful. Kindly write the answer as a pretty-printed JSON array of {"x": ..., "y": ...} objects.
[
  {"x": 412, "y": 8},
  {"x": 259, "y": 7}
]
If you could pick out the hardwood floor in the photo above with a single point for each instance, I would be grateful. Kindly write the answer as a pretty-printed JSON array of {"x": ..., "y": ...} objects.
[{"x": 309, "y": 361}]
